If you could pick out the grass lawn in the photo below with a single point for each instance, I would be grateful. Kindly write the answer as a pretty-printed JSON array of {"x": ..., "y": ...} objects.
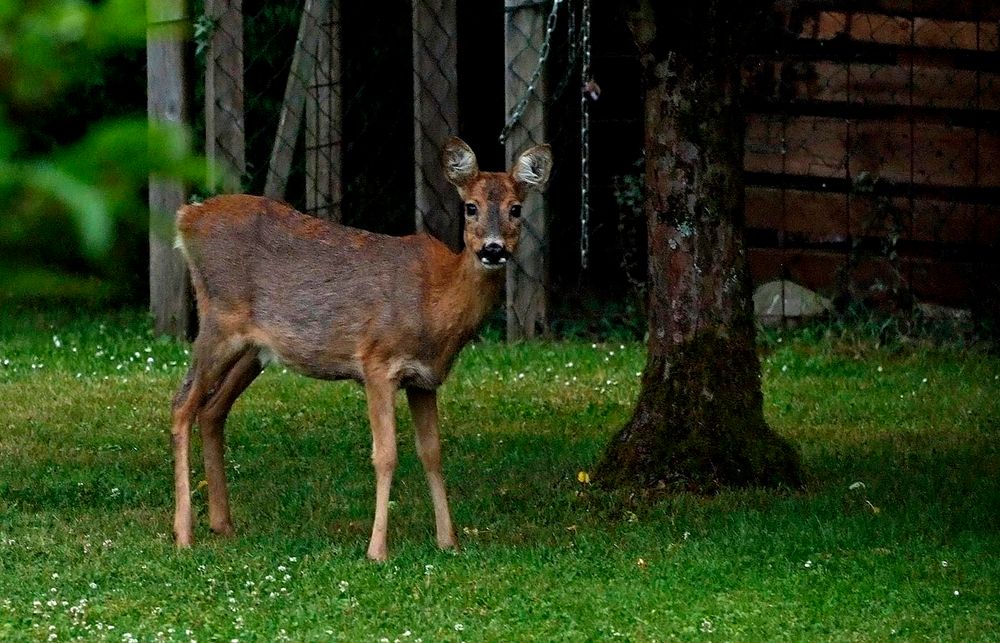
[{"x": 896, "y": 536}]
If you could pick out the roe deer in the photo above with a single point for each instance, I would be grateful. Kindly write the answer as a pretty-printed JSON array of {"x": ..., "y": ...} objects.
[{"x": 333, "y": 302}]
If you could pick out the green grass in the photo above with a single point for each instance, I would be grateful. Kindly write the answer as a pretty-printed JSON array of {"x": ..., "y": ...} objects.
[{"x": 896, "y": 535}]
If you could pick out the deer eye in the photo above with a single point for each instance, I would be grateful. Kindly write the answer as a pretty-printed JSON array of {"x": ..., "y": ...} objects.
[
  {"x": 515, "y": 210},
  {"x": 471, "y": 210}
]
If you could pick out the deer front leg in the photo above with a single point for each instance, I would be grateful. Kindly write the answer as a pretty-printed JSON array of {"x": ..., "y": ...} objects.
[
  {"x": 381, "y": 414},
  {"x": 423, "y": 407}
]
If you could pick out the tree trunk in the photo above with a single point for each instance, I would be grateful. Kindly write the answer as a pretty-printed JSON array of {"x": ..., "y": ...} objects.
[{"x": 699, "y": 419}]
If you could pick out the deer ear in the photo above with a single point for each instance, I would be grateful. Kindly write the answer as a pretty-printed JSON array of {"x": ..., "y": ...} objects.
[
  {"x": 532, "y": 168},
  {"x": 459, "y": 162}
]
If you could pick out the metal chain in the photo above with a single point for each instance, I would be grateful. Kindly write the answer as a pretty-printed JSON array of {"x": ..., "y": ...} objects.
[
  {"x": 587, "y": 93},
  {"x": 543, "y": 54},
  {"x": 571, "y": 40}
]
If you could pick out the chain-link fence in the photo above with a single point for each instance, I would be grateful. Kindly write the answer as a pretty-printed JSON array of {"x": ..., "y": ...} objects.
[
  {"x": 871, "y": 154},
  {"x": 342, "y": 109},
  {"x": 871, "y": 148},
  {"x": 311, "y": 102}
]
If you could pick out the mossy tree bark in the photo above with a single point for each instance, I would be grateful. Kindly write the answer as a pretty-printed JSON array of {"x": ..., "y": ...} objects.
[{"x": 699, "y": 418}]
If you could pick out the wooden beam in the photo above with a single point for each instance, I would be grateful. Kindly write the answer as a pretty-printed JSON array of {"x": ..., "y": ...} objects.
[
  {"x": 169, "y": 286},
  {"x": 435, "y": 116},
  {"x": 225, "y": 134},
  {"x": 290, "y": 118},
  {"x": 324, "y": 122},
  {"x": 527, "y": 276}
]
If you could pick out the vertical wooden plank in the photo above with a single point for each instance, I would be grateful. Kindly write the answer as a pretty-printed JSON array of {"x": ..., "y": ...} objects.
[
  {"x": 169, "y": 285},
  {"x": 435, "y": 116},
  {"x": 324, "y": 122},
  {"x": 527, "y": 277},
  {"x": 290, "y": 118},
  {"x": 225, "y": 138}
]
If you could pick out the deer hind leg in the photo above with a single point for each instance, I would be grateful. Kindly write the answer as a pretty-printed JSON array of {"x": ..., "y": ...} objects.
[
  {"x": 423, "y": 407},
  {"x": 382, "y": 415},
  {"x": 185, "y": 405},
  {"x": 211, "y": 360},
  {"x": 212, "y": 420}
]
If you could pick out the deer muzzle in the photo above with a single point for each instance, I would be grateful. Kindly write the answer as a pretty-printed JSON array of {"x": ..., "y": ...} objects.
[{"x": 493, "y": 254}]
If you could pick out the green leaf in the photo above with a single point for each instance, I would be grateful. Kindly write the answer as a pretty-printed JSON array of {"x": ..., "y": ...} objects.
[{"x": 84, "y": 202}]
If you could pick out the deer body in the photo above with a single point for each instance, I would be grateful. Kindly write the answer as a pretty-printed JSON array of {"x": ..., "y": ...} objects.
[
  {"x": 325, "y": 299},
  {"x": 333, "y": 302}
]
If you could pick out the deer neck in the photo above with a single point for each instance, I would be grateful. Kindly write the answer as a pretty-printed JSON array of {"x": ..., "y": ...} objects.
[
  {"x": 464, "y": 294},
  {"x": 480, "y": 286}
]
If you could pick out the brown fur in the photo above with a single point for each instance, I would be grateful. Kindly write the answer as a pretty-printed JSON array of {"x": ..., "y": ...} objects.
[{"x": 334, "y": 302}]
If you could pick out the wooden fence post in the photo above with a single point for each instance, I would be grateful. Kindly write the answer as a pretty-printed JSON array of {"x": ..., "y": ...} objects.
[
  {"x": 169, "y": 286},
  {"x": 324, "y": 122},
  {"x": 527, "y": 277},
  {"x": 435, "y": 116},
  {"x": 225, "y": 134}
]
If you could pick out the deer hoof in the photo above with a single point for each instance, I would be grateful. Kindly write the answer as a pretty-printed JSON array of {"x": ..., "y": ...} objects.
[
  {"x": 448, "y": 543},
  {"x": 225, "y": 530},
  {"x": 378, "y": 554}
]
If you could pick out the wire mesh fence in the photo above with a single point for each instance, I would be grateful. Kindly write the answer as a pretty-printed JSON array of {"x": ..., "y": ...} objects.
[
  {"x": 871, "y": 146},
  {"x": 325, "y": 114},
  {"x": 870, "y": 151},
  {"x": 342, "y": 109}
]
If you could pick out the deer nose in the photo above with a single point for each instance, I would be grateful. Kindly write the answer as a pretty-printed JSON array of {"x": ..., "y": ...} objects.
[{"x": 493, "y": 253}]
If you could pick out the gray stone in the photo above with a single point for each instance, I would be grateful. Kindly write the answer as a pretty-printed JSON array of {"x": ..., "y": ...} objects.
[{"x": 776, "y": 299}]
